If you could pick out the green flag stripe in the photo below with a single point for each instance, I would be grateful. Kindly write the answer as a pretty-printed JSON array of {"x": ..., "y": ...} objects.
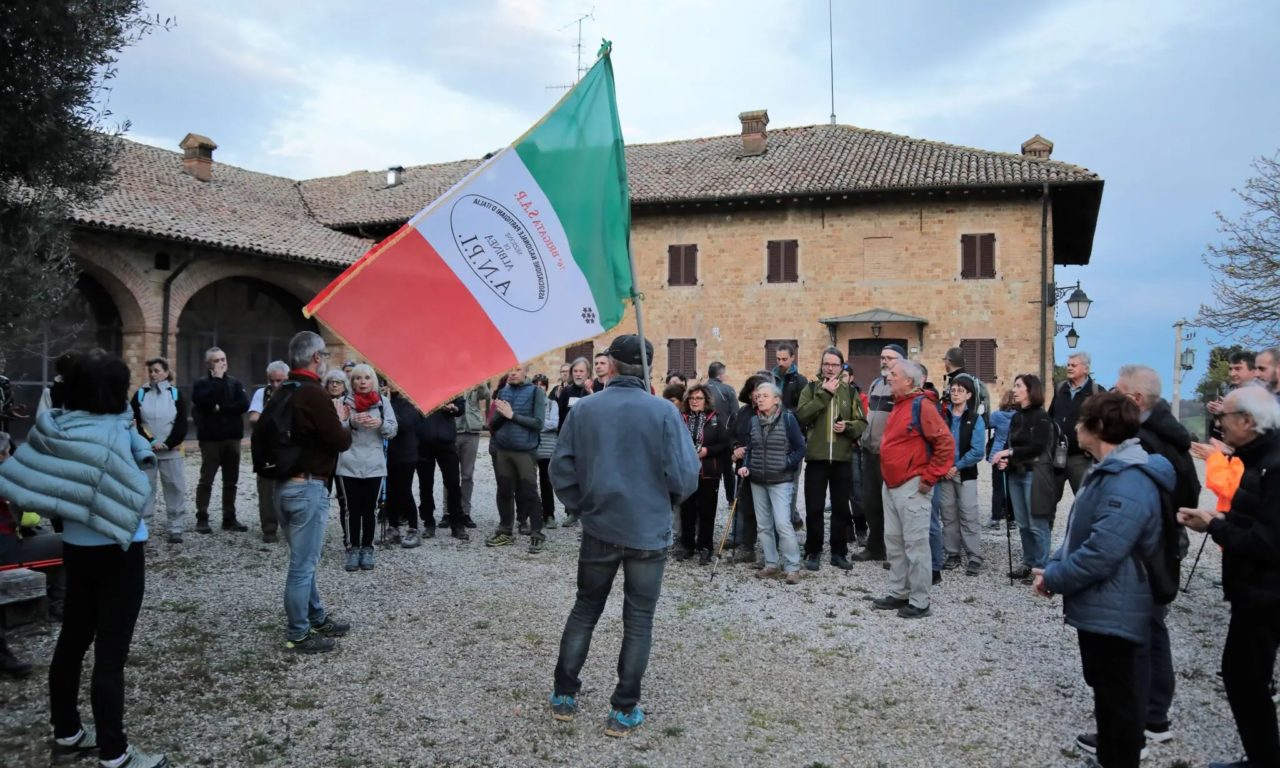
[{"x": 576, "y": 155}]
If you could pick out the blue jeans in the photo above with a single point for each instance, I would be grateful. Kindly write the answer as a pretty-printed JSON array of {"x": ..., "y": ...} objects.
[
  {"x": 1034, "y": 531},
  {"x": 936, "y": 553},
  {"x": 598, "y": 563},
  {"x": 773, "y": 513},
  {"x": 303, "y": 507}
]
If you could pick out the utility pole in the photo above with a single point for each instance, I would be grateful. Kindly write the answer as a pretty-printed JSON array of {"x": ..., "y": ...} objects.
[{"x": 1178, "y": 364}]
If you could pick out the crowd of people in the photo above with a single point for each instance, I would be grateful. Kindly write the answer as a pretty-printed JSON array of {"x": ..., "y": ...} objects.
[{"x": 888, "y": 473}]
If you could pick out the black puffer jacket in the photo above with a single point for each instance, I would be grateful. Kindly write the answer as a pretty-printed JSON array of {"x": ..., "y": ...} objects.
[
  {"x": 439, "y": 426},
  {"x": 1250, "y": 533},
  {"x": 403, "y": 448},
  {"x": 1162, "y": 434},
  {"x": 218, "y": 407}
]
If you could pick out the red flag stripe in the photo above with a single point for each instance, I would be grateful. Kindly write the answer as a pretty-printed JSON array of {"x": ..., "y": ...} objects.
[{"x": 409, "y": 292}]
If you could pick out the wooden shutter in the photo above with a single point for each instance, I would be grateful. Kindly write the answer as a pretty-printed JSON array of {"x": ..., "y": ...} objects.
[
  {"x": 682, "y": 357},
  {"x": 987, "y": 256},
  {"x": 775, "y": 262},
  {"x": 579, "y": 350},
  {"x": 690, "y": 265},
  {"x": 980, "y": 358},
  {"x": 790, "y": 261},
  {"x": 978, "y": 256},
  {"x": 968, "y": 261},
  {"x": 682, "y": 265}
]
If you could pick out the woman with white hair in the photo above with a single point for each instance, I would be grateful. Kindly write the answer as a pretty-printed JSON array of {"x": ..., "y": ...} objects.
[
  {"x": 362, "y": 469},
  {"x": 773, "y": 454}
]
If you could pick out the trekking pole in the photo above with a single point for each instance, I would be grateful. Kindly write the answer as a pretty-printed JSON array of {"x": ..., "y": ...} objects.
[
  {"x": 341, "y": 488},
  {"x": 1187, "y": 586},
  {"x": 1008, "y": 533},
  {"x": 728, "y": 526}
]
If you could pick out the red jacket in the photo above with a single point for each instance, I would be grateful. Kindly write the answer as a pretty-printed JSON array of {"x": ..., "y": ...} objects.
[{"x": 903, "y": 454}]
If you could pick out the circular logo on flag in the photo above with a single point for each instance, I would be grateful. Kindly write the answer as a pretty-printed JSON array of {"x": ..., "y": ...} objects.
[{"x": 499, "y": 249}]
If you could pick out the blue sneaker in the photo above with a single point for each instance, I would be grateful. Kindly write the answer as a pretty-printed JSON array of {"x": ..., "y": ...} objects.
[
  {"x": 621, "y": 724},
  {"x": 563, "y": 708}
]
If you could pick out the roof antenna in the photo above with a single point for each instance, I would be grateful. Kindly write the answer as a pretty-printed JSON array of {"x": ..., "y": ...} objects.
[
  {"x": 578, "y": 47},
  {"x": 831, "y": 46}
]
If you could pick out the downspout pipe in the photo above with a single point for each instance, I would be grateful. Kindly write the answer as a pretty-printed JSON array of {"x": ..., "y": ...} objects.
[
  {"x": 164, "y": 307},
  {"x": 1046, "y": 290}
]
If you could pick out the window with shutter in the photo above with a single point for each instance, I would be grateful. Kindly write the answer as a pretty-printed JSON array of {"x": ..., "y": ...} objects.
[
  {"x": 682, "y": 357},
  {"x": 771, "y": 352},
  {"x": 783, "y": 261},
  {"x": 682, "y": 265},
  {"x": 980, "y": 358},
  {"x": 576, "y": 351},
  {"x": 978, "y": 256}
]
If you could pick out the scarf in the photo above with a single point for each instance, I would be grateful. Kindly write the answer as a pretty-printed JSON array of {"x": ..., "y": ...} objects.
[
  {"x": 696, "y": 421},
  {"x": 305, "y": 373},
  {"x": 366, "y": 400}
]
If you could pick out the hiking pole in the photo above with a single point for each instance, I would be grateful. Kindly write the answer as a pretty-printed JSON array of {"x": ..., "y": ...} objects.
[
  {"x": 1008, "y": 533},
  {"x": 1187, "y": 586},
  {"x": 728, "y": 526}
]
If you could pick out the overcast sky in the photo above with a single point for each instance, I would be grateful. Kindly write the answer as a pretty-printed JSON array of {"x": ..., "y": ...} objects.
[{"x": 1169, "y": 101}]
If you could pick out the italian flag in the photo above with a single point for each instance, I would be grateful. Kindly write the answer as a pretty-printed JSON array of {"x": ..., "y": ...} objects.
[{"x": 527, "y": 253}]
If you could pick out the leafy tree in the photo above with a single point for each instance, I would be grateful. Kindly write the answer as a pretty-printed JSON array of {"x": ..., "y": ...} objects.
[
  {"x": 1246, "y": 266},
  {"x": 1216, "y": 378},
  {"x": 56, "y": 152}
]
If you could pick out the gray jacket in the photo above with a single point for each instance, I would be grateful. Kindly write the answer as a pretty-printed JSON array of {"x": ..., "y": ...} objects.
[
  {"x": 366, "y": 456},
  {"x": 623, "y": 462},
  {"x": 471, "y": 420}
]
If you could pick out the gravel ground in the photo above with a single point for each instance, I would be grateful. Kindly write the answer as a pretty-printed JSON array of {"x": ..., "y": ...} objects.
[{"x": 453, "y": 646}]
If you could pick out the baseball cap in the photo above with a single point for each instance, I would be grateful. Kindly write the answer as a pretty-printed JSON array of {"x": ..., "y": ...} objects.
[{"x": 626, "y": 349}]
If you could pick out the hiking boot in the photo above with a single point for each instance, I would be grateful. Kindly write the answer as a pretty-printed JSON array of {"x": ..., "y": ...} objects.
[
  {"x": 1020, "y": 572},
  {"x": 10, "y": 664},
  {"x": 570, "y": 520},
  {"x": 937, "y": 578},
  {"x": 537, "y": 544},
  {"x": 467, "y": 522},
  {"x": 767, "y": 572},
  {"x": 622, "y": 724},
  {"x": 1088, "y": 743},
  {"x": 312, "y": 643},
  {"x": 681, "y": 553},
  {"x": 353, "y": 559},
  {"x": 234, "y": 525},
  {"x": 792, "y": 577},
  {"x": 563, "y": 708},
  {"x": 550, "y": 523},
  {"x": 135, "y": 759},
  {"x": 889, "y": 603},
  {"x": 1158, "y": 733},
  {"x": 745, "y": 555},
  {"x": 951, "y": 563},
  {"x": 704, "y": 557},
  {"x": 911, "y": 612},
  {"x": 411, "y": 539},
  {"x": 75, "y": 746},
  {"x": 428, "y": 532},
  {"x": 331, "y": 627},
  {"x": 202, "y": 525},
  {"x": 523, "y": 529},
  {"x": 812, "y": 562},
  {"x": 175, "y": 538},
  {"x": 461, "y": 534},
  {"x": 500, "y": 539},
  {"x": 269, "y": 538},
  {"x": 392, "y": 536},
  {"x": 366, "y": 558},
  {"x": 867, "y": 556},
  {"x": 973, "y": 568},
  {"x": 841, "y": 562}
]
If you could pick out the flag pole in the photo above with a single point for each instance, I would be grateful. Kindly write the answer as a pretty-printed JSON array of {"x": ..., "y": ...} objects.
[{"x": 636, "y": 300}]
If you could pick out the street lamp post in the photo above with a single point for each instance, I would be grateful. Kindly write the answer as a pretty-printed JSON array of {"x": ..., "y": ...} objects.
[{"x": 1078, "y": 304}]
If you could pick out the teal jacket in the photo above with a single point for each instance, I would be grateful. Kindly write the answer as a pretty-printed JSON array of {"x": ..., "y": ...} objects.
[{"x": 86, "y": 469}]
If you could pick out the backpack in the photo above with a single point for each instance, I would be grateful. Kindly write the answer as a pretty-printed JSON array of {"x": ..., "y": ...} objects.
[
  {"x": 983, "y": 396},
  {"x": 142, "y": 393},
  {"x": 1164, "y": 566},
  {"x": 917, "y": 427},
  {"x": 275, "y": 456}
]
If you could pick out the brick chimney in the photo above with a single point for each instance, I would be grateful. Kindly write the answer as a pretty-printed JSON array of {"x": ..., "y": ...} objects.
[
  {"x": 753, "y": 132},
  {"x": 197, "y": 155},
  {"x": 1038, "y": 147}
]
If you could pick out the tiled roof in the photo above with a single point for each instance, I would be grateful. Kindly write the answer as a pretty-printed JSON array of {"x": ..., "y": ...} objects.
[
  {"x": 237, "y": 210},
  {"x": 820, "y": 159}
]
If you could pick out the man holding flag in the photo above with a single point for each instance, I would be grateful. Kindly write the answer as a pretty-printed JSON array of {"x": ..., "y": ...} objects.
[{"x": 622, "y": 463}]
